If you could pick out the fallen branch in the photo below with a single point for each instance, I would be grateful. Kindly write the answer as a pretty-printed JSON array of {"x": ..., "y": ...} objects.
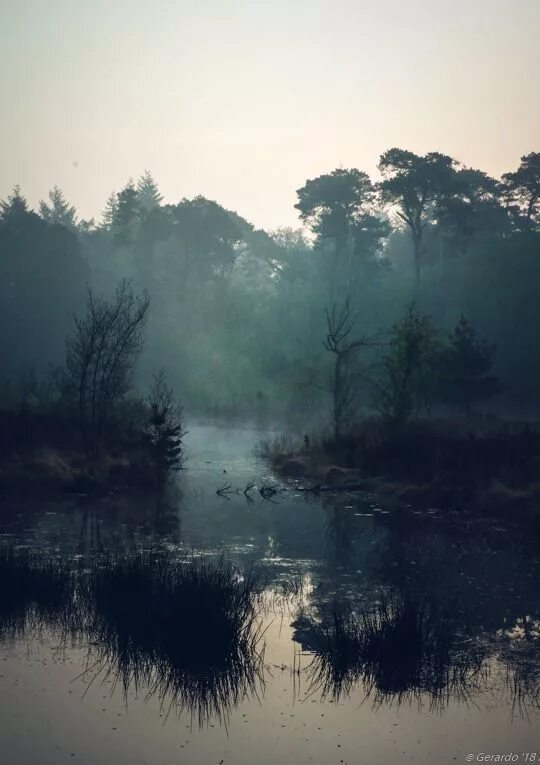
[
  {"x": 224, "y": 490},
  {"x": 336, "y": 487},
  {"x": 248, "y": 488}
]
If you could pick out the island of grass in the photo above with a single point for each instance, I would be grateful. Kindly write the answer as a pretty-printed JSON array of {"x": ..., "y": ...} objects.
[{"x": 490, "y": 466}]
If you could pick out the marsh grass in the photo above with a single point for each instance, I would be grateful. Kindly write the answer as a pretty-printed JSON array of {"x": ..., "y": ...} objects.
[
  {"x": 187, "y": 631},
  {"x": 400, "y": 650},
  {"x": 278, "y": 445},
  {"x": 34, "y": 593}
]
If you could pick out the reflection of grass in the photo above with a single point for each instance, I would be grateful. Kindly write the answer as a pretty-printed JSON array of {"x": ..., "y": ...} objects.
[
  {"x": 33, "y": 592},
  {"x": 184, "y": 630},
  {"x": 400, "y": 649},
  {"x": 518, "y": 654}
]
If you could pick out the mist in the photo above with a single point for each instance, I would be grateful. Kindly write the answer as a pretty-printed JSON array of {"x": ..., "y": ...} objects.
[{"x": 269, "y": 382}]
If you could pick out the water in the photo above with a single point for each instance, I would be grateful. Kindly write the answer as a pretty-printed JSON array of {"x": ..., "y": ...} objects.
[{"x": 450, "y": 665}]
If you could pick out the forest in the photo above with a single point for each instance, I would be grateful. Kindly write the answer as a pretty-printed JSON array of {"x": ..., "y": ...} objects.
[{"x": 403, "y": 298}]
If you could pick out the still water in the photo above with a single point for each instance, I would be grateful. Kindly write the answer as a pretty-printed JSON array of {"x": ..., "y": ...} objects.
[{"x": 451, "y": 610}]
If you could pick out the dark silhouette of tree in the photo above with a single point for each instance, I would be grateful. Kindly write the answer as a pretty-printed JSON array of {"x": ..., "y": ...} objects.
[
  {"x": 464, "y": 366},
  {"x": 58, "y": 210},
  {"x": 406, "y": 382},
  {"x": 338, "y": 207},
  {"x": 42, "y": 278},
  {"x": 419, "y": 187},
  {"x": 100, "y": 355},
  {"x": 154, "y": 227},
  {"x": 340, "y": 322},
  {"x": 15, "y": 205},
  {"x": 110, "y": 211},
  {"x": 208, "y": 236},
  {"x": 523, "y": 190},
  {"x": 164, "y": 430},
  {"x": 147, "y": 192},
  {"x": 483, "y": 195},
  {"x": 126, "y": 218}
]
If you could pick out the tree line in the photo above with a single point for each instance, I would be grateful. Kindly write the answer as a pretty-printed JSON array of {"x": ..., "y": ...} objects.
[{"x": 244, "y": 320}]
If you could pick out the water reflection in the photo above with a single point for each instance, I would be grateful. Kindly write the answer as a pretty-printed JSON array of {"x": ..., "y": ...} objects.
[
  {"x": 407, "y": 606},
  {"x": 399, "y": 649},
  {"x": 187, "y": 632}
]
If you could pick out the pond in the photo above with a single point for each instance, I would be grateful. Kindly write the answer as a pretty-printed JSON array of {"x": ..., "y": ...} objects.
[{"x": 381, "y": 635}]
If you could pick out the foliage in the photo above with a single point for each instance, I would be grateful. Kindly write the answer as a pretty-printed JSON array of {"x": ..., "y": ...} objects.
[
  {"x": 148, "y": 194},
  {"x": 164, "y": 429},
  {"x": 463, "y": 367},
  {"x": 58, "y": 210},
  {"x": 14, "y": 206},
  {"x": 42, "y": 277},
  {"x": 419, "y": 187},
  {"x": 240, "y": 312},
  {"x": 523, "y": 190},
  {"x": 407, "y": 369},
  {"x": 126, "y": 215},
  {"x": 339, "y": 207}
]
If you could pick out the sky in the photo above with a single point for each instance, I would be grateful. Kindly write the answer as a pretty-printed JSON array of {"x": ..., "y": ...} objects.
[{"x": 242, "y": 101}]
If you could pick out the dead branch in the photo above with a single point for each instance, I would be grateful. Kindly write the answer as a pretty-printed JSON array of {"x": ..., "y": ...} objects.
[{"x": 224, "y": 490}]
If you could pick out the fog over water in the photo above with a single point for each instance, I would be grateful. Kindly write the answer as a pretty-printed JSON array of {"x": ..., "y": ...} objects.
[{"x": 269, "y": 382}]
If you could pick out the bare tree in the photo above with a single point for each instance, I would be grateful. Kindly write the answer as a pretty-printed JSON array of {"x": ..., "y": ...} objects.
[
  {"x": 100, "y": 356},
  {"x": 340, "y": 322}
]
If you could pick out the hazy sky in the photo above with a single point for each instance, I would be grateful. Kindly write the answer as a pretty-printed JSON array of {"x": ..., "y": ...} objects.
[{"x": 243, "y": 100}]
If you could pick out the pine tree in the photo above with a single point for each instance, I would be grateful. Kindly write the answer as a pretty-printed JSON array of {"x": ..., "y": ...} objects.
[
  {"x": 127, "y": 215},
  {"x": 147, "y": 192},
  {"x": 14, "y": 205},
  {"x": 58, "y": 210},
  {"x": 164, "y": 430},
  {"x": 109, "y": 213},
  {"x": 464, "y": 367}
]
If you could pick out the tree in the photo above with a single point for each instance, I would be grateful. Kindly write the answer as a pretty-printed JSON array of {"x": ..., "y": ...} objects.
[
  {"x": 208, "y": 236},
  {"x": 148, "y": 194},
  {"x": 418, "y": 186},
  {"x": 481, "y": 199},
  {"x": 523, "y": 189},
  {"x": 407, "y": 369},
  {"x": 58, "y": 210},
  {"x": 42, "y": 278},
  {"x": 14, "y": 206},
  {"x": 340, "y": 322},
  {"x": 164, "y": 430},
  {"x": 127, "y": 215},
  {"x": 100, "y": 356},
  {"x": 108, "y": 216},
  {"x": 464, "y": 366},
  {"x": 338, "y": 207}
]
